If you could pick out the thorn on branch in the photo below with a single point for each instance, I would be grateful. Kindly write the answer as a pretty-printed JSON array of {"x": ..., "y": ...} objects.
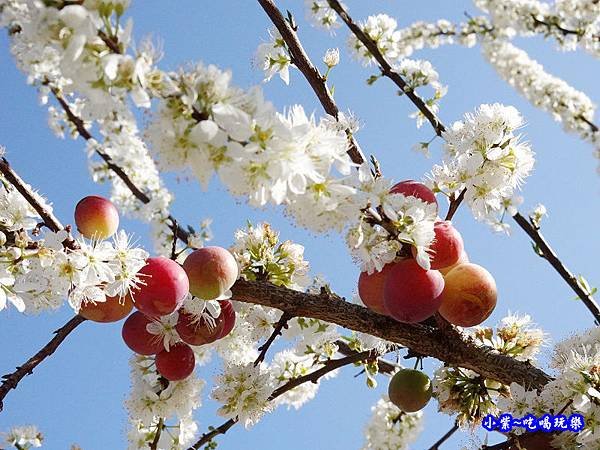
[{"x": 291, "y": 21}]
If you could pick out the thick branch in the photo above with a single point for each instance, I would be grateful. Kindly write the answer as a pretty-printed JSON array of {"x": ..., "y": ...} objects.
[
  {"x": 427, "y": 340},
  {"x": 12, "y": 380},
  {"x": 550, "y": 256},
  {"x": 311, "y": 73},
  {"x": 386, "y": 68}
]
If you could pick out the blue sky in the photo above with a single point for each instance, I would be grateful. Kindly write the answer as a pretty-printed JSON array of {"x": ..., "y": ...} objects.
[{"x": 76, "y": 396}]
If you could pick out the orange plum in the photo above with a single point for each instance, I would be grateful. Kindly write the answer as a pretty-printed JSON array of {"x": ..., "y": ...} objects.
[
  {"x": 464, "y": 258},
  {"x": 469, "y": 296},
  {"x": 112, "y": 310}
]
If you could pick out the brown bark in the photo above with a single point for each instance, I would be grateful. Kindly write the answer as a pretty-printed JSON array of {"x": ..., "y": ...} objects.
[{"x": 445, "y": 345}]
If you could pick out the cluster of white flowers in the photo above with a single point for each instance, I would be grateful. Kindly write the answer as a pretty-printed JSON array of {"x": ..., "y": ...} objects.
[
  {"x": 421, "y": 35},
  {"x": 382, "y": 29},
  {"x": 288, "y": 365},
  {"x": 571, "y": 22},
  {"x": 320, "y": 14},
  {"x": 488, "y": 160},
  {"x": 24, "y": 437},
  {"x": 153, "y": 398},
  {"x": 395, "y": 46},
  {"x": 567, "y": 105},
  {"x": 261, "y": 256},
  {"x": 244, "y": 391},
  {"x": 79, "y": 52},
  {"x": 576, "y": 389},
  {"x": 39, "y": 274},
  {"x": 390, "y": 428},
  {"x": 290, "y": 159},
  {"x": 390, "y": 221},
  {"x": 467, "y": 393},
  {"x": 418, "y": 73},
  {"x": 514, "y": 336}
]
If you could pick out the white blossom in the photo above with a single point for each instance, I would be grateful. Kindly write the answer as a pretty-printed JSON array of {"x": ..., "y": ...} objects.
[
  {"x": 485, "y": 158},
  {"x": 391, "y": 429},
  {"x": 244, "y": 391},
  {"x": 25, "y": 437}
]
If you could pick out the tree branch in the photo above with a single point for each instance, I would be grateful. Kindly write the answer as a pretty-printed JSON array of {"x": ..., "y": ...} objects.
[
  {"x": 424, "y": 339},
  {"x": 13, "y": 178},
  {"x": 182, "y": 234},
  {"x": 329, "y": 366},
  {"x": 281, "y": 324},
  {"x": 386, "y": 68},
  {"x": 444, "y": 438},
  {"x": 384, "y": 365},
  {"x": 12, "y": 380},
  {"x": 439, "y": 128},
  {"x": 159, "y": 427},
  {"x": 313, "y": 377},
  {"x": 549, "y": 255},
  {"x": 311, "y": 73},
  {"x": 454, "y": 204}
]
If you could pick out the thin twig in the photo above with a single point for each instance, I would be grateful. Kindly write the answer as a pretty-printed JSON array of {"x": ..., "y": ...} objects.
[
  {"x": 159, "y": 427},
  {"x": 454, "y": 204},
  {"x": 386, "y": 68},
  {"x": 549, "y": 255},
  {"x": 445, "y": 437},
  {"x": 384, "y": 365},
  {"x": 329, "y": 366},
  {"x": 313, "y": 377},
  {"x": 207, "y": 437},
  {"x": 13, "y": 178},
  {"x": 310, "y": 72},
  {"x": 12, "y": 380},
  {"x": 279, "y": 326},
  {"x": 182, "y": 234}
]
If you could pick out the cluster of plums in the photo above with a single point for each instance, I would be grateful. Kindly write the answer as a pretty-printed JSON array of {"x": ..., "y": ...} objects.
[
  {"x": 207, "y": 273},
  {"x": 463, "y": 293}
]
